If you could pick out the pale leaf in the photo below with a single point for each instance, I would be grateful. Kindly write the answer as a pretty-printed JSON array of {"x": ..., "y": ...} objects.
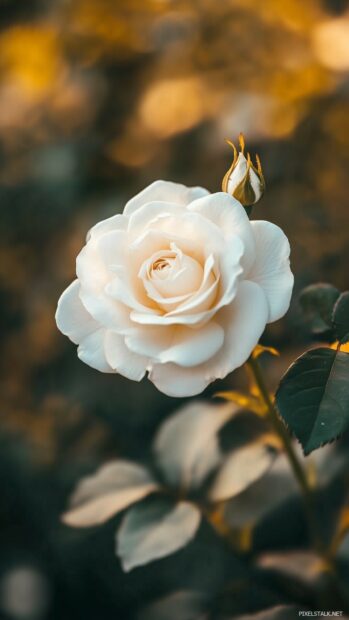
[
  {"x": 150, "y": 531},
  {"x": 186, "y": 445},
  {"x": 111, "y": 489},
  {"x": 241, "y": 468}
]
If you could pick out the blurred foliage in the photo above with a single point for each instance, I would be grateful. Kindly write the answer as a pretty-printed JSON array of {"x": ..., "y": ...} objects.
[{"x": 97, "y": 99}]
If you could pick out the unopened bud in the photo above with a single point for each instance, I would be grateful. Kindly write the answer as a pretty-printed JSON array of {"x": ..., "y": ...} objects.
[{"x": 244, "y": 180}]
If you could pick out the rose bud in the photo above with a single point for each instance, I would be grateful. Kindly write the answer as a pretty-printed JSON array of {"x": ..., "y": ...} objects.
[{"x": 243, "y": 180}]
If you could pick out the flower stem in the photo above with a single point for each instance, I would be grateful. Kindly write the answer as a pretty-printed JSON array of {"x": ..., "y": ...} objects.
[{"x": 299, "y": 473}]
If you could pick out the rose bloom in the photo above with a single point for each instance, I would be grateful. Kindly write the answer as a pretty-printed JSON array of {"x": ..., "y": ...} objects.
[{"x": 179, "y": 286}]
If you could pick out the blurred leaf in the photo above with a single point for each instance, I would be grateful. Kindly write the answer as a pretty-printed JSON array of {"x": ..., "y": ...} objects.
[
  {"x": 278, "y": 485},
  {"x": 262, "y": 497},
  {"x": 183, "y": 605},
  {"x": 341, "y": 529},
  {"x": 240, "y": 539},
  {"x": 325, "y": 464},
  {"x": 340, "y": 318},
  {"x": 280, "y": 612},
  {"x": 240, "y": 469},
  {"x": 317, "y": 301},
  {"x": 150, "y": 531},
  {"x": 111, "y": 489},
  {"x": 304, "y": 566},
  {"x": 313, "y": 397},
  {"x": 186, "y": 445}
]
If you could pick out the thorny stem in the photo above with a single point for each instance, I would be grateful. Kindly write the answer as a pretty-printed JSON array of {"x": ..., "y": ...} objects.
[{"x": 299, "y": 473}]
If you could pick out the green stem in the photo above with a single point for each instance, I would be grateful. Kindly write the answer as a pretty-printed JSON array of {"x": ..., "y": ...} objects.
[{"x": 294, "y": 461}]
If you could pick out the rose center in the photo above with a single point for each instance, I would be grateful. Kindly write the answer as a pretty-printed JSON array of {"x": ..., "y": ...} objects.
[{"x": 174, "y": 274}]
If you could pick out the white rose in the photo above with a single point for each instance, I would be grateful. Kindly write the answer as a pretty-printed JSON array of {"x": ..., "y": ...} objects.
[{"x": 181, "y": 286}]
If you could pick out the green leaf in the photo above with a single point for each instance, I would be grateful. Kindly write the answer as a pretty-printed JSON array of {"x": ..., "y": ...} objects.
[
  {"x": 313, "y": 397},
  {"x": 340, "y": 318},
  {"x": 317, "y": 302}
]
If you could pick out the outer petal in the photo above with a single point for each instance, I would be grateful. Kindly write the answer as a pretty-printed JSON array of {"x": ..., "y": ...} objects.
[
  {"x": 244, "y": 321},
  {"x": 112, "y": 249},
  {"x": 178, "y": 381},
  {"x": 109, "y": 313},
  {"x": 164, "y": 190},
  {"x": 179, "y": 344},
  {"x": 91, "y": 351},
  {"x": 121, "y": 359},
  {"x": 271, "y": 269},
  {"x": 229, "y": 215},
  {"x": 115, "y": 222},
  {"x": 72, "y": 318},
  {"x": 93, "y": 277},
  {"x": 150, "y": 213}
]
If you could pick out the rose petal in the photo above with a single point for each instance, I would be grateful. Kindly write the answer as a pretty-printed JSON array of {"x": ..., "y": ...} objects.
[
  {"x": 121, "y": 284},
  {"x": 197, "y": 311},
  {"x": 204, "y": 297},
  {"x": 188, "y": 225},
  {"x": 179, "y": 274},
  {"x": 115, "y": 222},
  {"x": 91, "y": 351},
  {"x": 164, "y": 191},
  {"x": 179, "y": 344},
  {"x": 121, "y": 359},
  {"x": 72, "y": 318},
  {"x": 151, "y": 213},
  {"x": 244, "y": 321},
  {"x": 90, "y": 268},
  {"x": 167, "y": 304},
  {"x": 230, "y": 269},
  {"x": 121, "y": 289},
  {"x": 198, "y": 301},
  {"x": 94, "y": 277},
  {"x": 177, "y": 381},
  {"x": 153, "y": 240},
  {"x": 112, "y": 249},
  {"x": 271, "y": 269},
  {"x": 229, "y": 215},
  {"x": 107, "y": 312}
]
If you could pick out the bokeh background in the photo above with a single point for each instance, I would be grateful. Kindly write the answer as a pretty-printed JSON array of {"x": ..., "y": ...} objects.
[{"x": 98, "y": 98}]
